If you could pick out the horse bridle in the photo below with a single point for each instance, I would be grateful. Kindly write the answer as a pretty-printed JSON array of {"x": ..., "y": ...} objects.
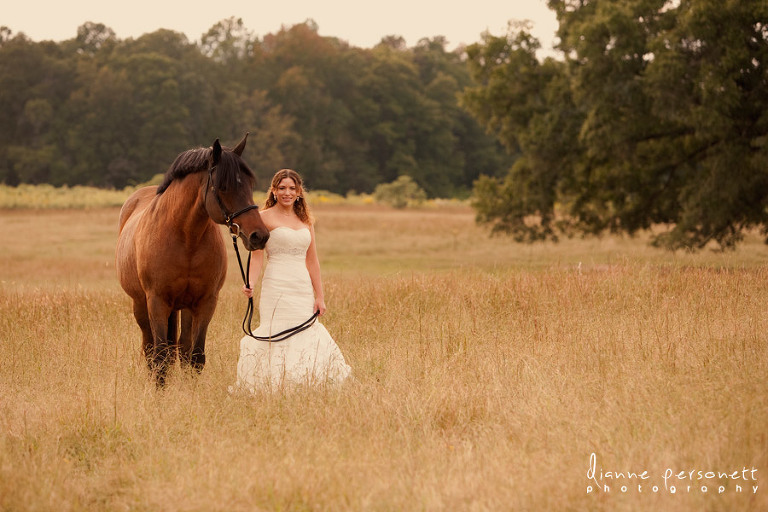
[
  {"x": 229, "y": 219},
  {"x": 234, "y": 232}
]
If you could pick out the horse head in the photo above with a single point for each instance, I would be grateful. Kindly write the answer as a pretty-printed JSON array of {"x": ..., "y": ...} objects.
[{"x": 228, "y": 195}]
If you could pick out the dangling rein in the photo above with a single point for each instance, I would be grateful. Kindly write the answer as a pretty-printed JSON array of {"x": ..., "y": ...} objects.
[{"x": 281, "y": 336}]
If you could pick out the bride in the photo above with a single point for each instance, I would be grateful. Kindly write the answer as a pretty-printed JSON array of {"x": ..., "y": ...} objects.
[{"x": 291, "y": 291}]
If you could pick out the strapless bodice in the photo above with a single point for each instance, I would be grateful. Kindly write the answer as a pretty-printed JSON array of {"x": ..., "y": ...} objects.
[{"x": 287, "y": 243}]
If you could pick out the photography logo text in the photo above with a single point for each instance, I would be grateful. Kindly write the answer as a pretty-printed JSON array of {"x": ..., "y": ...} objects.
[{"x": 670, "y": 480}]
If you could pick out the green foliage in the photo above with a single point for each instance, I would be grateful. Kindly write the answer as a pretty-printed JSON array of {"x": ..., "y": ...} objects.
[
  {"x": 656, "y": 115},
  {"x": 402, "y": 192},
  {"x": 528, "y": 105}
]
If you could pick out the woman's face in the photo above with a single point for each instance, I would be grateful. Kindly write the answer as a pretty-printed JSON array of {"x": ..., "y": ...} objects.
[{"x": 286, "y": 192}]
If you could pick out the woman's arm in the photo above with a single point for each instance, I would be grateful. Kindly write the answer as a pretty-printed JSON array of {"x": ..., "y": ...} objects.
[
  {"x": 254, "y": 272},
  {"x": 313, "y": 266}
]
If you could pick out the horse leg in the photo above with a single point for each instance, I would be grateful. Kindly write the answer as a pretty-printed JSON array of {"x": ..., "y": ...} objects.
[
  {"x": 199, "y": 331},
  {"x": 159, "y": 314},
  {"x": 197, "y": 356},
  {"x": 185, "y": 339},
  {"x": 141, "y": 314}
]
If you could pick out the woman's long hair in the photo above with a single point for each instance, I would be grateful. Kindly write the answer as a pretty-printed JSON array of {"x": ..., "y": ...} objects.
[{"x": 300, "y": 205}]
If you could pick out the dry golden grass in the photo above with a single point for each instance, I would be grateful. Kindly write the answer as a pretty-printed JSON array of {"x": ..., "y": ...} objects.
[{"x": 486, "y": 373}]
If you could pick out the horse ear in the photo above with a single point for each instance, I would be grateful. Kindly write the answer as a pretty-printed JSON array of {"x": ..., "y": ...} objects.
[
  {"x": 240, "y": 146},
  {"x": 216, "y": 152}
]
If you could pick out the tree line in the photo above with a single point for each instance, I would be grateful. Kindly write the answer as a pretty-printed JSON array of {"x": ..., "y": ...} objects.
[{"x": 98, "y": 110}]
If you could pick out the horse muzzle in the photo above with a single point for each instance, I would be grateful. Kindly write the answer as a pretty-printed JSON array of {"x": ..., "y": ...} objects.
[{"x": 256, "y": 240}]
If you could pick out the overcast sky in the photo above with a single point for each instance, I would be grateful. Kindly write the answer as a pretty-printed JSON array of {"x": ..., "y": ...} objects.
[{"x": 360, "y": 22}]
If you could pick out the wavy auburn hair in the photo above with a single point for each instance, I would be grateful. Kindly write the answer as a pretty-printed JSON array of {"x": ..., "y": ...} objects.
[{"x": 300, "y": 205}]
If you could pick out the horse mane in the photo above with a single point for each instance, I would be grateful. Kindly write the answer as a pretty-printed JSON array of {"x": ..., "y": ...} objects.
[{"x": 226, "y": 177}]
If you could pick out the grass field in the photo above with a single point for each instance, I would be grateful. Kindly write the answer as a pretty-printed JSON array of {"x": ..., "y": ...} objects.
[{"x": 486, "y": 375}]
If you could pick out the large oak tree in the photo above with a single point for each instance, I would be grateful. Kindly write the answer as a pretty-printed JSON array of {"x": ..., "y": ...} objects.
[{"x": 657, "y": 114}]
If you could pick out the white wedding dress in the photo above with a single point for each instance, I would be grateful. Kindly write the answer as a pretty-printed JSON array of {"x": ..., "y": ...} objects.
[{"x": 287, "y": 300}]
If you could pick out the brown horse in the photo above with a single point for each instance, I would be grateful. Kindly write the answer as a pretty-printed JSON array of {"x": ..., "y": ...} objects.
[{"x": 170, "y": 255}]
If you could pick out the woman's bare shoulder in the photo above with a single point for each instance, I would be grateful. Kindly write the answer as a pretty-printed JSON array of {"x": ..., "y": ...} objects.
[
  {"x": 268, "y": 218},
  {"x": 268, "y": 213}
]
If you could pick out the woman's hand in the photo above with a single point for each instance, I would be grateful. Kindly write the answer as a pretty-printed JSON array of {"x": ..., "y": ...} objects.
[
  {"x": 320, "y": 306},
  {"x": 248, "y": 292}
]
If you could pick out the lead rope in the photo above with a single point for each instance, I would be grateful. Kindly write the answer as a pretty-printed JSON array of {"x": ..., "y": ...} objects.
[{"x": 281, "y": 336}]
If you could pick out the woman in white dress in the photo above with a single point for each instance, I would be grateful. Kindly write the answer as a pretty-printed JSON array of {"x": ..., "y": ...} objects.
[{"x": 291, "y": 292}]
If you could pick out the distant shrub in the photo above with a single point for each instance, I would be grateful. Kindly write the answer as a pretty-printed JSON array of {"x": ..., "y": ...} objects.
[{"x": 402, "y": 192}]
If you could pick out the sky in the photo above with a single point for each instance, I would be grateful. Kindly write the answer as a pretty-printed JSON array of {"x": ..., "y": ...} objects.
[{"x": 361, "y": 23}]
